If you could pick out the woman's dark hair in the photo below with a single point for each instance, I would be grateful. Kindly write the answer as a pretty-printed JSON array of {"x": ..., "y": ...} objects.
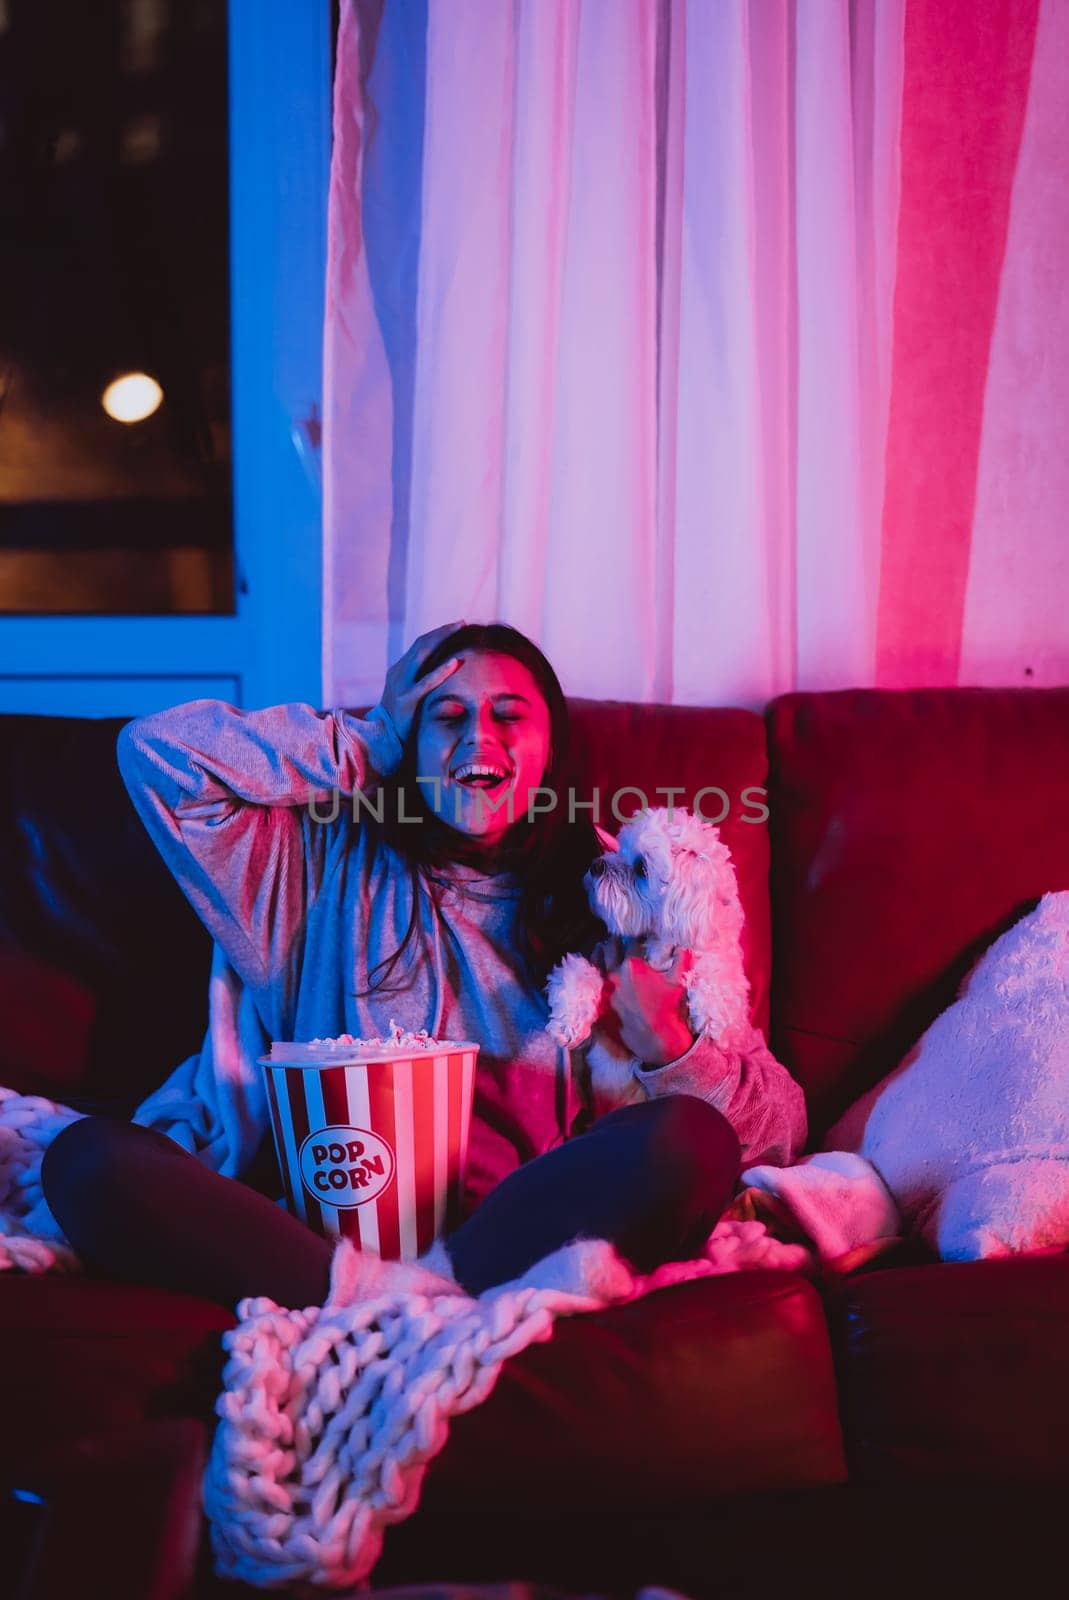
[{"x": 548, "y": 853}]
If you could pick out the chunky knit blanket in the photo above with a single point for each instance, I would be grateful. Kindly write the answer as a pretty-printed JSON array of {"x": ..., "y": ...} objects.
[
  {"x": 331, "y": 1415},
  {"x": 31, "y": 1239}
]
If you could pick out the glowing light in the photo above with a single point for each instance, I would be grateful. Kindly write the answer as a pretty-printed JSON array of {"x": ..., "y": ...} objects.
[{"x": 132, "y": 398}]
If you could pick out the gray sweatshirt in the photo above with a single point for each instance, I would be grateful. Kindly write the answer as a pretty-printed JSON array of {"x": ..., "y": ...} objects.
[{"x": 301, "y": 909}]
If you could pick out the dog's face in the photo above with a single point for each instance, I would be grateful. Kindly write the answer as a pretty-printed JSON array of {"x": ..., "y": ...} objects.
[{"x": 670, "y": 878}]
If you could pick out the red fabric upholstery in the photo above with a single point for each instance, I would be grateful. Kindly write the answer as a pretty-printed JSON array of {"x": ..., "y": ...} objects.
[
  {"x": 909, "y": 828},
  {"x": 85, "y": 1356},
  {"x": 689, "y": 748},
  {"x": 84, "y": 893},
  {"x": 721, "y": 1386},
  {"x": 848, "y": 1542},
  {"x": 122, "y": 1515},
  {"x": 630, "y": 1394},
  {"x": 958, "y": 1370},
  {"x": 48, "y": 1017}
]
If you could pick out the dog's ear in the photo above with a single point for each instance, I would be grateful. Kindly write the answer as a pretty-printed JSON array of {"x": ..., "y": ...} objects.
[{"x": 689, "y": 911}]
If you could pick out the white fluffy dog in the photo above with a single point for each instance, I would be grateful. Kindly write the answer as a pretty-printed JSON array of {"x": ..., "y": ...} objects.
[{"x": 667, "y": 887}]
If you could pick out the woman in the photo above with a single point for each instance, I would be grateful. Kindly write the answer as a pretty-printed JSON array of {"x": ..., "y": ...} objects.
[{"x": 354, "y": 872}]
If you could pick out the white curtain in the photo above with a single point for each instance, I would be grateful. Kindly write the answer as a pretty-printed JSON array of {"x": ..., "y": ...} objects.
[{"x": 608, "y": 337}]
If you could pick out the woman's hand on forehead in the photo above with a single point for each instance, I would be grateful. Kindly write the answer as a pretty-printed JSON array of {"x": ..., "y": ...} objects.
[{"x": 404, "y": 688}]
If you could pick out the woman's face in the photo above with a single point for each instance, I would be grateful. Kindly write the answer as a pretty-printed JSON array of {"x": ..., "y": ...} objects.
[{"x": 490, "y": 714}]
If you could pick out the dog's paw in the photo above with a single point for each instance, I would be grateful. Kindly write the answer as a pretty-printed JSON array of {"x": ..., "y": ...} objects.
[
  {"x": 717, "y": 997},
  {"x": 574, "y": 991}
]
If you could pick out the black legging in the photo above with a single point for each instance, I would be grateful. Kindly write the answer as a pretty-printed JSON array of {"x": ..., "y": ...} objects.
[{"x": 653, "y": 1178}]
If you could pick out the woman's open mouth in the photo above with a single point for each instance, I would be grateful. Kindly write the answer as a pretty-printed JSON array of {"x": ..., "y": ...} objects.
[{"x": 485, "y": 775}]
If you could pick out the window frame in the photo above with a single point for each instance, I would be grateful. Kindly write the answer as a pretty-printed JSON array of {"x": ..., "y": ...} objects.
[{"x": 271, "y": 649}]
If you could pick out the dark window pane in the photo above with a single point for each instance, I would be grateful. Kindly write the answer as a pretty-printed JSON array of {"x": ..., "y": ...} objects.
[{"x": 113, "y": 260}]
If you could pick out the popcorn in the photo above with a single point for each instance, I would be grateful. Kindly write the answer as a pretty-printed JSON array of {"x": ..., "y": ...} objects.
[
  {"x": 398, "y": 1037},
  {"x": 398, "y": 1041}
]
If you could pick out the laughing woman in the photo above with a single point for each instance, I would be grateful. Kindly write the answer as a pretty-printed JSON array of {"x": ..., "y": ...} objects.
[{"x": 291, "y": 832}]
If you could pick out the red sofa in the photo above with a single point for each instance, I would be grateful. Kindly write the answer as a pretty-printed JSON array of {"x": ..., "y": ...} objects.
[{"x": 907, "y": 1427}]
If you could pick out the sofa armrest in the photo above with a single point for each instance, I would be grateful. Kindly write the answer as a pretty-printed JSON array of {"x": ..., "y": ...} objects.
[{"x": 121, "y": 1515}]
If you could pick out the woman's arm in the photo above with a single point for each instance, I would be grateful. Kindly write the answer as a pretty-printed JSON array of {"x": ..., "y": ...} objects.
[
  {"x": 225, "y": 794},
  {"x": 757, "y": 1095},
  {"x": 743, "y": 1080}
]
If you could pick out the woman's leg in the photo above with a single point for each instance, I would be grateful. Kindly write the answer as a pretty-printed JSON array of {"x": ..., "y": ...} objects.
[
  {"x": 652, "y": 1178},
  {"x": 136, "y": 1206}
]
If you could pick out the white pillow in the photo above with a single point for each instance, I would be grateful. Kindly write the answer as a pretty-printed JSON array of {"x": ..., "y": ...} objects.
[{"x": 971, "y": 1131}]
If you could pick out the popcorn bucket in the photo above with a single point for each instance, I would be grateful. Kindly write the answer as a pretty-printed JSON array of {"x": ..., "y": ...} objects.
[{"x": 372, "y": 1139}]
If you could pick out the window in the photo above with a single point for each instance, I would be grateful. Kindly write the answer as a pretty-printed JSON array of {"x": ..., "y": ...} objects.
[{"x": 113, "y": 264}]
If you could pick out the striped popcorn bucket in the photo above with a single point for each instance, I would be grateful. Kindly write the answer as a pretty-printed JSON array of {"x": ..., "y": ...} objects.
[{"x": 373, "y": 1144}]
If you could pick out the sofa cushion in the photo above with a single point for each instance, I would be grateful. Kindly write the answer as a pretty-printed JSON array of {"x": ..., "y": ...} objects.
[
  {"x": 909, "y": 828},
  {"x": 86, "y": 897},
  {"x": 957, "y": 1370},
  {"x": 620, "y": 746},
  {"x": 724, "y": 1385},
  {"x": 83, "y": 1356},
  {"x": 48, "y": 1022}
]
